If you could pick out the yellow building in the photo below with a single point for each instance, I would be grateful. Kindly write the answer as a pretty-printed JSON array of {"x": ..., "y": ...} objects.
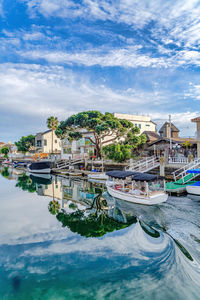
[{"x": 43, "y": 142}]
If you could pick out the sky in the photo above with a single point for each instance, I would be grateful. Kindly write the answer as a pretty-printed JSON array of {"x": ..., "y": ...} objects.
[{"x": 60, "y": 57}]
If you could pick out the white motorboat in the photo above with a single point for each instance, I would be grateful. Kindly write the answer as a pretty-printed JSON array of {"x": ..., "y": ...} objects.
[
  {"x": 42, "y": 167},
  {"x": 98, "y": 176},
  {"x": 135, "y": 187},
  {"x": 194, "y": 188}
]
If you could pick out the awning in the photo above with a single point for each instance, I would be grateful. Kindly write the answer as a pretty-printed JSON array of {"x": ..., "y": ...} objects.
[
  {"x": 137, "y": 176},
  {"x": 146, "y": 177},
  {"x": 194, "y": 171},
  {"x": 120, "y": 174}
]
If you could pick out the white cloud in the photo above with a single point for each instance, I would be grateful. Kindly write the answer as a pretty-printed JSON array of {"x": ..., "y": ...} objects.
[
  {"x": 176, "y": 20},
  {"x": 127, "y": 57},
  {"x": 37, "y": 91}
]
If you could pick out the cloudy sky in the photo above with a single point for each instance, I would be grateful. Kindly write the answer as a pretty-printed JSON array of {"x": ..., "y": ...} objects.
[{"x": 58, "y": 57}]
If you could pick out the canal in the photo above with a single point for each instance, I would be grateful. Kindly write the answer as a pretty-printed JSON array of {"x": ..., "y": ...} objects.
[{"x": 64, "y": 238}]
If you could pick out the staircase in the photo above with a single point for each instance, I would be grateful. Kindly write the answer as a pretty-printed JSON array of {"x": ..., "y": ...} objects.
[
  {"x": 144, "y": 165},
  {"x": 181, "y": 176},
  {"x": 65, "y": 164}
]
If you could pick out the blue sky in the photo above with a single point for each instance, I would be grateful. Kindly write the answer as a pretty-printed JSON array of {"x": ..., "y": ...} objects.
[{"x": 59, "y": 57}]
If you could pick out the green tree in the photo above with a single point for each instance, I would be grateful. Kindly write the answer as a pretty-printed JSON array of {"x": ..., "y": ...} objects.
[
  {"x": 101, "y": 125},
  {"x": 26, "y": 184},
  {"x": 5, "y": 151},
  {"x": 25, "y": 143},
  {"x": 52, "y": 123},
  {"x": 5, "y": 172},
  {"x": 119, "y": 152},
  {"x": 54, "y": 207}
]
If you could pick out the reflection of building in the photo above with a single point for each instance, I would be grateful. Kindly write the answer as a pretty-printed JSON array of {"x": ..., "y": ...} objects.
[
  {"x": 53, "y": 190},
  {"x": 43, "y": 142}
]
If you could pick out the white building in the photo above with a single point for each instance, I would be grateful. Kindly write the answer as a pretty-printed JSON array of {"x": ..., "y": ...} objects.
[
  {"x": 144, "y": 123},
  {"x": 43, "y": 142},
  {"x": 77, "y": 149}
]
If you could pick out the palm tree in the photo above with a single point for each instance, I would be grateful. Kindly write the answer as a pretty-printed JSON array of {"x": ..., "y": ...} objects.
[{"x": 52, "y": 123}]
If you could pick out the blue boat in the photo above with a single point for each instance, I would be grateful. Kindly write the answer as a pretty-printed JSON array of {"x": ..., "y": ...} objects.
[{"x": 194, "y": 188}]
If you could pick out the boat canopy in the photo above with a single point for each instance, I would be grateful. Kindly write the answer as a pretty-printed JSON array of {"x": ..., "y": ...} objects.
[
  {"x": 194, "y": 171},
  {"x": 137, "y": 176},
  {"x": 120, "y": 174},
  {"x": 40, "y": 165},
  {"x": 146, "y": 177}
]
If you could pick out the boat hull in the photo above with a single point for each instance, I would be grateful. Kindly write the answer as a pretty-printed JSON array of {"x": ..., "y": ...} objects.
[
  {"x": 195, "y": 190},
  {"x": 98, "y": 176},
  {"x": 137, "y": 199},
  {"x": 41, "y": 171}
]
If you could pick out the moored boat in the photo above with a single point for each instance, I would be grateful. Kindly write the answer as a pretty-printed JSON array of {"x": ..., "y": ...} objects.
[
  {"x": 98, "y": 176},
  {"x": 43, "y": 167},
  {"x": 135, "y": 187},
  {"x": 194, "y": 188}
]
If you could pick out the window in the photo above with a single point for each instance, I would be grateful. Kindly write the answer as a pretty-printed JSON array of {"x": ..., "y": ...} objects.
[
  {"x": 140, "y": 126},
  {"x": 55, "y": 141},
  {"x": 147, "y": 125},
  {"x": 39, "y": 143},
  {"x": 45, "y": 142}
]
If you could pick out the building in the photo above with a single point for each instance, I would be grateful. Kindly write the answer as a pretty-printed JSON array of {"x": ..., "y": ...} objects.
[
  {"x": 165, "y": 131},
  {"x": 43, "y": 142},
  {"x": 2, "y": 144},
  {"x": 144, "y": 123},
  {"x": 197, "y": 121},
  {"x": 78, "y": 149}
]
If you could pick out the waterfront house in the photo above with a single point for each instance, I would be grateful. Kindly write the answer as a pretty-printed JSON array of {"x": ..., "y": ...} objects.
[
  {"x": 197, "y": 121},
  {"x": 43, "y": 142},
  {"x": 161, "y": 144},
  {"x": 144, "y": 123},
  {"x": 165, "y": 131},
  {"x": 78, "y": 149}
]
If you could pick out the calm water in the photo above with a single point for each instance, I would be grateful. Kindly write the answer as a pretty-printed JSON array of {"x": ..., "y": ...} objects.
[{"x": 59, "y": 241}]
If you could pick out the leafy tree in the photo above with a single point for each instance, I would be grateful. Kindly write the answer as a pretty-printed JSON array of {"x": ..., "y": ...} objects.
[
  {"x": 5, "y": 151},
  {"x": 52, "y": 123},
  {"x": 5, "y": 172},
  {"x": 54, "y": 207},
  {"x": 187, "y": 144},
  {"x": 101, "y": 125},
  {"x": 119, "y": 152},
  {"x": 92, "y": 225},
  {"x": 25, "y": 143},
  {"x": 26, "y": 184}
]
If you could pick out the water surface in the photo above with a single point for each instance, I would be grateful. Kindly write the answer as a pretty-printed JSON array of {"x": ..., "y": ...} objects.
[{"x": 60, "y": 240}]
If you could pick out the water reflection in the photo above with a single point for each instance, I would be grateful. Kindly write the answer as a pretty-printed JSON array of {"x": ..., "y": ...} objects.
[{"x": 82, "y": 236}]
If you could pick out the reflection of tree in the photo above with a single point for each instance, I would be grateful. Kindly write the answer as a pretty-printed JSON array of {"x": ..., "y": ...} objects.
[
  {"x": 5, "y": 172},
  {"x": 54, "y": 207},
  {"x": 92, "y": 225},
  {"x": 26, "y": 184}
]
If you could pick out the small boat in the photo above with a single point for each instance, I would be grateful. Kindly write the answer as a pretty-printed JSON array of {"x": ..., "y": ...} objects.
[
  {"x": 98, "y": 176},
  {"x": 20, "y": 164},
  {"x": 75, "y": 174},
  {"x": 43, "y": 167},
  {"x": 135, "y": 187},
  {"x": 7, "y": 162},
  {"x": 193, "y": 188}
]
